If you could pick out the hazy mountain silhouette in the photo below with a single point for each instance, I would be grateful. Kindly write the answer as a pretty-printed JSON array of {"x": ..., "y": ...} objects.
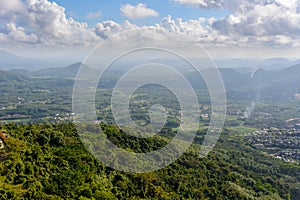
[{"x": 58, "y": 72}]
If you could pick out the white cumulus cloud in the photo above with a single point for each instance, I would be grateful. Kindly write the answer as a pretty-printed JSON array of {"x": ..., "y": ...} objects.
[
  {"x": 201, "y": 3},
  {"x": 42, "y": 22},
  {"x": 199, "y": 29},
  {"x": 272, "y": 22},
  {"x": 138, "y": 11},
  {"x": 252, "y": 23},
  {"x": 107, "y": 29}
]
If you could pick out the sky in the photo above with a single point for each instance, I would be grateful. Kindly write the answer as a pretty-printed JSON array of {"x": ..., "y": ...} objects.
[
  {"x": 92, "y": 12},
  {"x": 226, "y": 28}
]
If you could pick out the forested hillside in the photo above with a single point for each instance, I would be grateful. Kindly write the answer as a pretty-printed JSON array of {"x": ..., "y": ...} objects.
[{"x": 50, "y": 162}]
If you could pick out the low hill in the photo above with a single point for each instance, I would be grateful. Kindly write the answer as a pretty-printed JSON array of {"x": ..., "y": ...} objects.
[
  {"x": 59, "y": 72},
  {"x": 11, "y": 77}
]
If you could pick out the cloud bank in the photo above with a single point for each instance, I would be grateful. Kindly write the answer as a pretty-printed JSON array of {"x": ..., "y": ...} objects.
[{"x": 252, "y": 23}]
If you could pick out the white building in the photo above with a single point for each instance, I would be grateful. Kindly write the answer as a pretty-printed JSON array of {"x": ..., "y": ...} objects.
[{"x": 1, "y": 144}]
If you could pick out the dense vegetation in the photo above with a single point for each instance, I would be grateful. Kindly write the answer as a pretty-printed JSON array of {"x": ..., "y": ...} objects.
[
  {"x": 50, "y": 162},
  {"x": 45, "y": 159}
]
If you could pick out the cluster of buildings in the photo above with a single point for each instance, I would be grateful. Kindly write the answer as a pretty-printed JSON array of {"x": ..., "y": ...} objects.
[
  {"x": 292, "y": 123},
  {"x": 65, "y": 117},
  {"x": 281, "y": 143}
]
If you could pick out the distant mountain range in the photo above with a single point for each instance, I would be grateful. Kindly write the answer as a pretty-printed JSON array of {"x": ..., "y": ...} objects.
[
  {"x": 249, "y": 65},
  {"x": 12, "y": 61},
  {"x": 281, "y": 83},
  {"x": 243, "y": 65}
]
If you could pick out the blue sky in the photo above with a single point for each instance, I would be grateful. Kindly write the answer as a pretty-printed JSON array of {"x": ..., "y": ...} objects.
[{"x": 110, "y": 10}]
